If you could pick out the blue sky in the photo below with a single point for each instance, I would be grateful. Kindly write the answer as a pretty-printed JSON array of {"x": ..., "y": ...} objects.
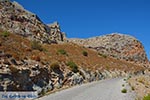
[{"x": 88, "y": 18}]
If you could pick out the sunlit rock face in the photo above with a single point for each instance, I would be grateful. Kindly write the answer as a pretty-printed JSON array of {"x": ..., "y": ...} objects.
[
  {"x": 116, "y": 45},
  {"x": 15, "y": 19}
]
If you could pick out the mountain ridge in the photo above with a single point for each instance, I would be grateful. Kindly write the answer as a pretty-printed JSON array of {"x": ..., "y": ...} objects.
[
  {"x": 15, "y": 19},
  {"x": 117, "y": 45}
]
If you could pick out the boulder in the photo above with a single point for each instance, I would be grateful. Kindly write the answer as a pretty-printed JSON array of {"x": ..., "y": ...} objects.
[
  {"x": 48, "y": 87},
  {"x": 37, "y": 88},
  {"x": 86, "y": 75},
  {"x": 76, "y": 79}
]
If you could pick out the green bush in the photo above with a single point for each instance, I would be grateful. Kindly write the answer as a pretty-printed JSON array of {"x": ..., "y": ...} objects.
[
  {"x": 124, "y": 90},
  {"x": 107, "y": 67},
  {"x": 36, "y": 46},
  {"x": 132, "y": 88},
  {"x": 62, "y": 51},
  {"x": 73, "y": 66},
  {"x": 55, "y": 66},
  {"x": 43, "y": 92},
  {"x": 147, "y": 97},
  {"x": 13, "y": 70},
  {"x": 85, "y": 53},
  {"x": 102, "y": 55},
  {"x": 5, "y": 34}
]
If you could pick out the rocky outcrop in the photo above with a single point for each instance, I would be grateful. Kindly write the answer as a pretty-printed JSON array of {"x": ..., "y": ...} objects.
[
  {"x": 56, "y": 33},
  {"x": 116, "y": 45},
  {"x": 15, "y": 19},
  {"x": 24, "y": 75},
  {"x": 31, "y": 75}
]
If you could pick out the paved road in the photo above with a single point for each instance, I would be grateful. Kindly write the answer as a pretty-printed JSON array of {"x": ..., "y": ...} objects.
[{"x": 102, "y": 90}]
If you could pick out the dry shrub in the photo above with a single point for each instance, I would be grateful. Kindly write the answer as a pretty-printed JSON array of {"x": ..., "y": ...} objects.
[{"x": 36, "y": 58}]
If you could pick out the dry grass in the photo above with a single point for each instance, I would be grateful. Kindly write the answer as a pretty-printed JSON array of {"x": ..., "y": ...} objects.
[
  {"x": 15, "y": 45},
  {"x": 141, "y": 85},
  {"x": 21, "y": 48}
]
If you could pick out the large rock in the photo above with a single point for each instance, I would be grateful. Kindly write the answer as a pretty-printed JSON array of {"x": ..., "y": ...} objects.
[
  {"x": 116, "y": 45},
  {"x": 75, "y": 79},
  {"x": 15, "y": 19},
  {"x": 37, "y": 88},
  {"x": 56, "y": 33},
  {"x": 89, "y": 76}
]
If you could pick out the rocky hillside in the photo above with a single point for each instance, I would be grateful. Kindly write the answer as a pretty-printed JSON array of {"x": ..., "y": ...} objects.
[
  {"x": 30, "y": 66},
  {"x": 116, "y": 45},
  {"x": 14, "y": 18},
  {"x": 33, "y": 59}
]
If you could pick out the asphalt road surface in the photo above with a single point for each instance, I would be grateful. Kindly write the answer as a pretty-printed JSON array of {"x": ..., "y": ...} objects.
[{"x": 109, "y": 89}]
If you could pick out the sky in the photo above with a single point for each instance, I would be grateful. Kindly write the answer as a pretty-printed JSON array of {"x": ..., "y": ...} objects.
[{"x": 89, "y": 18}]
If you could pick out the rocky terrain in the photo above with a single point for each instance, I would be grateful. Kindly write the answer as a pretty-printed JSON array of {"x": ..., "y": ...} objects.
[
  {"x": 14, "y": 18},
  {"x": 116, "y": 45},
  {"x": 141, "y": 85},
  {"x": 38, "y": 57},
  {"x": 30, "y": 66}
]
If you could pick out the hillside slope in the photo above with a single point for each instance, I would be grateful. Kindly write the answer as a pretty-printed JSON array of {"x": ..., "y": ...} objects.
[
  {"x": 48, "y": 66},
  {"x": 116, "y": 45},
  {"x": 35, "y": 56},
  {"x": 14, "y": 18}
]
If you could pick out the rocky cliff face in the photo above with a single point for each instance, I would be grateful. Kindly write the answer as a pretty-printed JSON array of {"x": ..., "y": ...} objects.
[
  {"x": 14, "y": 18},
  {"x": 30, "y": 75},
  {"x": 116, "y": 45}
]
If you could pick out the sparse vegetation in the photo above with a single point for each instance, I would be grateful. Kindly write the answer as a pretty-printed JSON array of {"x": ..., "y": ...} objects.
[
  {"x": 107, "y": 67},
  {"x": 36, "y": 45},
  {"x": 62, "y": 51},
  {"x": 141, "y": 80},
  {"x": 54, "y": 66},
  {"x": 132, "y": 88},
  {"x": 21, "y": 48},
  {"x": 147, "y": 97},
  {"x": 42, "y": 92},
  {"x": 138, "y": 83},
  {"x": 5, "y": 34},
  {"x": 36, "y": 58},
  {"x": 13, "y": 70},
  {"x": 123, "y": 85},
  {"x": 102, "y": 55},
  {"x": 85, "y": 53},
  {"x": 73, "y": 66},
  {"x": 124, "y": 90},
  {"x": 129, "y": 76}
]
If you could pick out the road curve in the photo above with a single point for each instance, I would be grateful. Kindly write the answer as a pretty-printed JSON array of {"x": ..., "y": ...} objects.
[{"x": 102, "y": 90}]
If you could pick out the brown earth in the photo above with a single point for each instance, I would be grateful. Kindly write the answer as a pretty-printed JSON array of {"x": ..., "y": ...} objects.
[{"x": 21, "y": 48}]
